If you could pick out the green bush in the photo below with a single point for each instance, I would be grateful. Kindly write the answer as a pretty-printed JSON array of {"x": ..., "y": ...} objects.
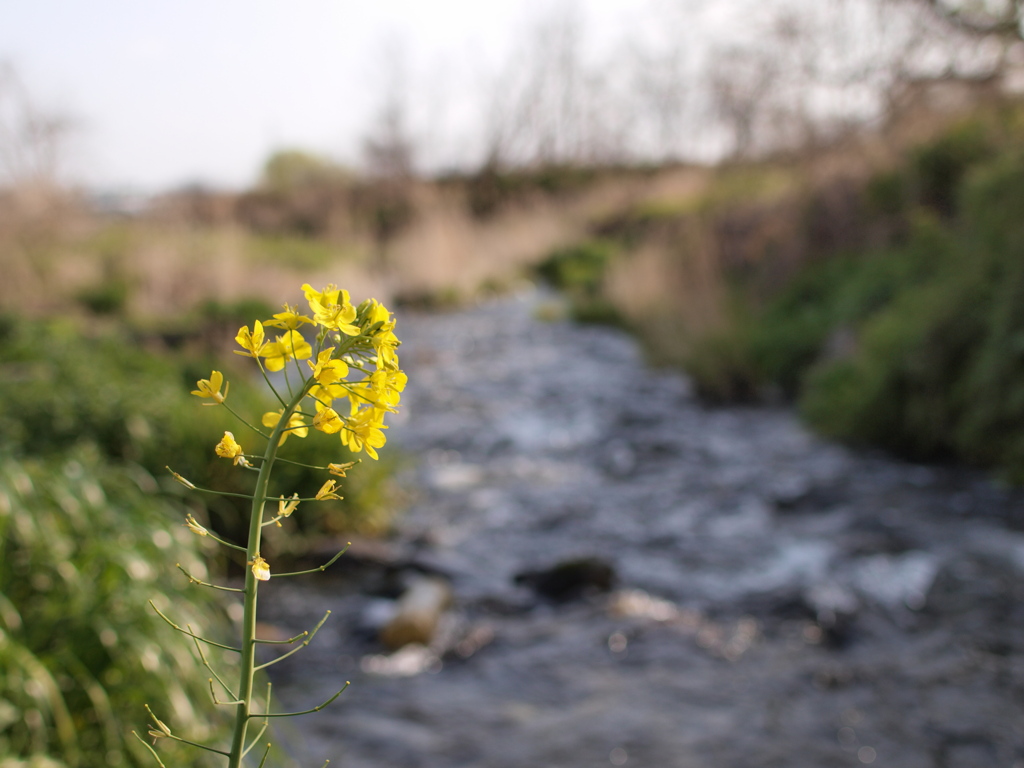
[
  {"x": 834, "y": 298},
  {"x": 939, "y": 371},
  {"x": 816, "y": 316},
  {"x": 938, "y": 168},
  {"x": 491, "y": 190},
  {"x": 993, "y": 386},
  {"x": 109, "y": 297},
  {"x": 888, "y": 193},
  {"x": 579, "y": 270},
  {"x": 61, "y": 389},
  {"x": 991, "y": 201},
  {"x": 722, "y": 367},
  {"x": 900, "y": 389},
  {"x": 83, "y": 547}
]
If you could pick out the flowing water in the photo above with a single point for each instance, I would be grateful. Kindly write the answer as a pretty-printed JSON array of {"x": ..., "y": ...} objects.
[{"x": 733, "y": 591}]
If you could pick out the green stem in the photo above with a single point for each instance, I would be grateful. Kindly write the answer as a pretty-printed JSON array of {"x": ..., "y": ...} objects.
[
  {"x": 300, "y": 464},
  {"x": 248, "y": 645},
  {"x": 320, "y": 568},
  {"x": 255, "y": 429},
  {"x": 269, "y": 384},
  {"x": 152, "y": 751},
  {"x": 317, "y": 708}
]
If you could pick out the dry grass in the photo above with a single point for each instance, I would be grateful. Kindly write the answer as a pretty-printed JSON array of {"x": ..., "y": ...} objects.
[{"x": 51, "y": 249}]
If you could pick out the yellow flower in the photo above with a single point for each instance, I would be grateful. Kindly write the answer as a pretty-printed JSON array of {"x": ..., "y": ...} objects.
[
  {"x": 327, "y": 491},
  {"x": 327, "y": 297},
  {"x": 385, "y": 342},
  {"x": 378, "y": 322},
  {"x": 363, "y": 432},
  {"x": 388, "y": 383},
  {"x": 289, "y": 319},
  {"x": 253, "y": 342},
  {"x": 211, "y": 388},
  {"x": 260, "y": 568},
  {"x": 340, "y": 469},
  {"x": 194, "y": 526},
  {"x": 285, "y": 508},
  {"x": 332, "y": 309},
  {"x": 296, "y": 425},
  {"x": 375, "y": 312},
  {"x": 327, "y": 420},
  {"x": 327, "y": 371},
  {"x": 290, "y": 345},
  {"x": 229, "y": 449}
]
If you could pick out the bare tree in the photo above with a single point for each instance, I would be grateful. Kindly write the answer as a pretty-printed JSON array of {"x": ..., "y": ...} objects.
[
  {"x": 550, "y": 105},
  {"x": 782, "y": 74},
  {"x": 663, "y": 89},
  {"x": 389, "y": 149},
  {"x": 988, "y": 17},
  {"x": 31, "y": 139},
  {"x": 742, "y": 82},
  {"x": 814, "y": 72}
]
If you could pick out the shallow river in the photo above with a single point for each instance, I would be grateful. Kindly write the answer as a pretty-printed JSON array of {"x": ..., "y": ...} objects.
[{"x": 733, "y": 591}]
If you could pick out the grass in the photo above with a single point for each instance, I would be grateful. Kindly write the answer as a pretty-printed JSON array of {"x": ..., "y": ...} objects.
[
  {"x": 63, "y": 390},
  {"x": 83, "y": 547}
]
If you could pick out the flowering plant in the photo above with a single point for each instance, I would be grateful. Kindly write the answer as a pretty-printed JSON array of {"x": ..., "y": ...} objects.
[{"x": 350, "y": 381}]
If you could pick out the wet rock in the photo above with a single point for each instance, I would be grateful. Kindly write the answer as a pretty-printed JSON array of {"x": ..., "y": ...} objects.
[
  {"x": 790, "y": 491},
  {"x": 570, "y": 579},
  {"x": 896, "y": 580},
  {"x": 836, "y": 609},
  {"x": 417, "y": 613}
]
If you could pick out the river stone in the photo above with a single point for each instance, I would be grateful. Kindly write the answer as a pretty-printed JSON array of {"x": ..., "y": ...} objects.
[{"x": 570, "y": 579}]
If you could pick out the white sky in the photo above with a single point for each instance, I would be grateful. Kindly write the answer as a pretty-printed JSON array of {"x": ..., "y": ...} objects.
[{"x": 202, "y": 90}]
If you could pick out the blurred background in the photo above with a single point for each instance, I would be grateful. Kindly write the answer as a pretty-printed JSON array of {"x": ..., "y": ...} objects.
[{"x": 792, "y": 226}]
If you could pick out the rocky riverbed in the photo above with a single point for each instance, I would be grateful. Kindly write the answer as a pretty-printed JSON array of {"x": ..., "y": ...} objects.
[{"x": 638, "y": 580}]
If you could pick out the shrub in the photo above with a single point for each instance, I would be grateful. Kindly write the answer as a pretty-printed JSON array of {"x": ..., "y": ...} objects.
[
  {"x": 993, "y": 387},
  {"x": 940, "y": 367},
  {"x": 899, "y": 390},
  {"x": 82, "y": 547},
  {"x": 939, "y": 167},
  {"x": 579, "y": 270},
  {"x": 61, "y": 390},
  {"x": 491, "y": 189},
  {"x": 722, "y": 367}
]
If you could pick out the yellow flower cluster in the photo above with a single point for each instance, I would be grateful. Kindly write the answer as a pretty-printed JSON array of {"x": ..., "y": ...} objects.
[{"x": 353, "y": 378}]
